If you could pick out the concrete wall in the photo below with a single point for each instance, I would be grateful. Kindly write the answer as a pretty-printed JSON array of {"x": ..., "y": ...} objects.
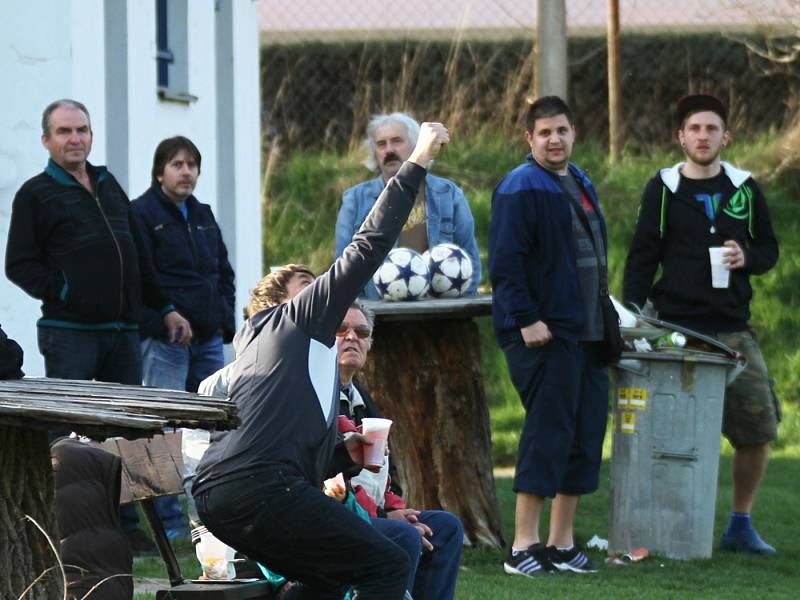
[{"x": 102, "y": 52}]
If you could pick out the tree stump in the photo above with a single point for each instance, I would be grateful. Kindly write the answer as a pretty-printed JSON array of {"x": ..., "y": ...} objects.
[
  {"x": 27, "y": 489},
  {"x": 426, "y": 376}
]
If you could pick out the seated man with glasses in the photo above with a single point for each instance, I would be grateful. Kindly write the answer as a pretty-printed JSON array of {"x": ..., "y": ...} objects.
[{"x": 431, "y": 538}]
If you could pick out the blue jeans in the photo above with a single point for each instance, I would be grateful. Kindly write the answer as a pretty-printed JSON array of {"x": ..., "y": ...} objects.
[
  {"x": 433, "y": 574},
  {"x": 174, "y": 367},
  {"x": 280, "y": 520}
]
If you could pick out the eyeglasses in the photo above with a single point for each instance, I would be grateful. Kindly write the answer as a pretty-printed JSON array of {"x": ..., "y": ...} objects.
[{"x": 362, "y": 331}]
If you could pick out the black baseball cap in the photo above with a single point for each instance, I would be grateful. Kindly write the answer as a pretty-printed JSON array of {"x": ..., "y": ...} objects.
[{"x": 693, "y": 103}]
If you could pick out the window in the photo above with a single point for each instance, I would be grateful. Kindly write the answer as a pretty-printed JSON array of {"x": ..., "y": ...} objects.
[{"x": 172, "y": 51}]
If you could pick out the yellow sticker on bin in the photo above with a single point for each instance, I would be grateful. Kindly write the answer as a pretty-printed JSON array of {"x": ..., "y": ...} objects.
[
  {"x": 633, "y": 398},
  {"x": 628, "y": 422}
]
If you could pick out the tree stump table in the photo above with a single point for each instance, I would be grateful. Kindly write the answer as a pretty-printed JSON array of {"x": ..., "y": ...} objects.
[
  {"x": 28, "y": 409},
  {"x": 424, "y": 372}
]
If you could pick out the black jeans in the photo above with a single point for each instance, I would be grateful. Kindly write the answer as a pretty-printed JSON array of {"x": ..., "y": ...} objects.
[
  {"x": 283, "y": 522},
  {"x": 104, "y": 355}
]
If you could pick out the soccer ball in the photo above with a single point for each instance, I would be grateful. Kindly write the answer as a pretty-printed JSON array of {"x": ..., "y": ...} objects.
[
  {"x": 451, "y": 270},
  {"x": 402, "y": 276}
]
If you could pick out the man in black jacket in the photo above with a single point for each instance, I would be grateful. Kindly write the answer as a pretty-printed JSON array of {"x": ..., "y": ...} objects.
[
  {"x": 687, "y": 209},
  {"x": 183, "y": 242},
  {"x": 71, "y": 243}
]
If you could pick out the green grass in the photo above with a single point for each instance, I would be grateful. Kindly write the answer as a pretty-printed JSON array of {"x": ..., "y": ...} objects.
[{"x": 723, "y": 576}]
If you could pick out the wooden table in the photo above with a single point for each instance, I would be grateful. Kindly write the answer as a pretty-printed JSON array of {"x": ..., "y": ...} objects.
[
  {"x": 424, "y": 371},
  {"x": 28, "y": 409}
]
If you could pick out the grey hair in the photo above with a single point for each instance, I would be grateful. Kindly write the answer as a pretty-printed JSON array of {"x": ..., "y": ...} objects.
[
  {"x": 404, "y": 119},
  {"x": 369, "y": 316},
  {"x": 64, "y": 102}
]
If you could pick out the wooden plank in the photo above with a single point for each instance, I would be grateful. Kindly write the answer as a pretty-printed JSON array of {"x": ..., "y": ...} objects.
[
  {"x": 89, "y": 406},
  {"x": 128, "y": 405},
  {"x": 432, "y": 308},
  {"x": 68, "y": 415},
  {"x": 91, "y": 389},
  {"x": 150, "y": 468}
]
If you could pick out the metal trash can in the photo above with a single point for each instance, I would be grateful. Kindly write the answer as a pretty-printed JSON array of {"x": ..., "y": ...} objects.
[{"x": 665, "y": 461}]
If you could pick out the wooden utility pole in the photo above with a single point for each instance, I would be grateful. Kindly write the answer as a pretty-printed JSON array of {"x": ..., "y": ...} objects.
[
  {"x": 551, "y": 48},
  {"x": 614, "y": 85}
]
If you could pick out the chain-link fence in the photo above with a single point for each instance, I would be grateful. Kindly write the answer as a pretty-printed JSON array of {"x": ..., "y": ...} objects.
[{"x": 328, "y": 65}]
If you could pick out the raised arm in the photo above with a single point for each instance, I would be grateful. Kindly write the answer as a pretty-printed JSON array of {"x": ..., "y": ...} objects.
[{"x": 321, "y": 306}]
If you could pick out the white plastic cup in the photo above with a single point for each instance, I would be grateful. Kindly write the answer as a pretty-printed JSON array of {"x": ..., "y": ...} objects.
[
  {"x": 720, "y": 275},
  {"x": 376, "y": 431}
]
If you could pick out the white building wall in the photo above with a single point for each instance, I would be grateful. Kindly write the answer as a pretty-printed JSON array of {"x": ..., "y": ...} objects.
[
  {"x": 51, "y": 49},
  {"x": 238, "y": 83}
]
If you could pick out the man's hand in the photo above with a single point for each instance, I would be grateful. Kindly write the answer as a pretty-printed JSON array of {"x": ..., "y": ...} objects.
[
  {"x": 178, "y": 329},
  {"x": 432, "y": 136},
  {"x": 355, "y": 443},
  {"x": 410, "y": 515},
  {"x": 536, "y": 335},
  {"x": 734, "y": 257}
]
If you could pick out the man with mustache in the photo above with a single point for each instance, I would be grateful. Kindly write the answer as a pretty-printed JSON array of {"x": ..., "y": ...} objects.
[
  {"x": 686, "y": 209},
  {"x": 441, "y": 212},
  {"x": 183, "y": 242}
]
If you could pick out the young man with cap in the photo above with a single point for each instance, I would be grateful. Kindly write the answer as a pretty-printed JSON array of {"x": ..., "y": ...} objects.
[{"x": 686, "y": 209}]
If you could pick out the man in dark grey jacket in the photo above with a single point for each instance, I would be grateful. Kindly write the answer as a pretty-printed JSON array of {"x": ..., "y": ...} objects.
[{"x": 258, "y": 486}]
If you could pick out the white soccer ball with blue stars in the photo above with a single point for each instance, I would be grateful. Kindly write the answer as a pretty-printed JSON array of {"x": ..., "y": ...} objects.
[
  {"x": 451, "y": 270},
  {"x": 402, "y": 276}
]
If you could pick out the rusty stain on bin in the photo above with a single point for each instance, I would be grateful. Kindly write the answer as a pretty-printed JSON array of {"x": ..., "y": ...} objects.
[{"x": 687, "y": 376}]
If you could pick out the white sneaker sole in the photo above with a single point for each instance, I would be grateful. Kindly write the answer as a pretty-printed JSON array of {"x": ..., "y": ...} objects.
[
  {"x": 567, "y": 567},
  {"x": 512, "y": 571}
]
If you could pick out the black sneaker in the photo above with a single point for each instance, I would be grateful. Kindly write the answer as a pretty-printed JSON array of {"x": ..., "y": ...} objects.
[
  {"x": 571, "y": 560},
  {"x": 531, "y": 562}
]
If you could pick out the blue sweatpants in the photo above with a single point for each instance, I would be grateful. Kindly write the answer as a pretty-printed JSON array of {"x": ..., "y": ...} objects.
[{"x": 564, "y": 388}]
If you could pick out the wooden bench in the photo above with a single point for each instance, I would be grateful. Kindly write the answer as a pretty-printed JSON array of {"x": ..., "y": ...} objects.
[{"x": 152, "y": 468}]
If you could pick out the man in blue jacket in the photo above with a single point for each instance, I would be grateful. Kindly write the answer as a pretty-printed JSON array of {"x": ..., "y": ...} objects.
[
  {"x": 184, "y": 244},
  {"x": 441, "y": 212},
  {"x": 547, "y": 264},
  {"x": 182, "y": 241}
]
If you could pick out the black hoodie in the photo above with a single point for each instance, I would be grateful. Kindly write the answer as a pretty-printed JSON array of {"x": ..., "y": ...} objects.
[{"x": 673, "y": 231}]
